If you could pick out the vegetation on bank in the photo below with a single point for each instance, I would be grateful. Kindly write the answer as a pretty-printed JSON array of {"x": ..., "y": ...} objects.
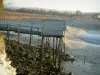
[
  {"x": 27, "y": 59},
  {"x": 68, "y": 14},
  {"x": 1, "y": 6}
]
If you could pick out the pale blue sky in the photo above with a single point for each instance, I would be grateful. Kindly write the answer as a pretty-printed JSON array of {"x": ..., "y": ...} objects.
[{"x": 82, "y": 5}]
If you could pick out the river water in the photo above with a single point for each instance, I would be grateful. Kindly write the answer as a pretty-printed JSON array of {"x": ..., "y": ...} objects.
[{"x": 87, "y": 59}]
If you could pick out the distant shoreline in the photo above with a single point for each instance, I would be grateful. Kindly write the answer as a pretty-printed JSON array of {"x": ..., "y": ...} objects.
[{"x": 18, "y": 15}]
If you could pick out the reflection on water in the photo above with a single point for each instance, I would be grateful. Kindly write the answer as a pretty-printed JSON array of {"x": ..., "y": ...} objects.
[{"x": 71, "y": 36}]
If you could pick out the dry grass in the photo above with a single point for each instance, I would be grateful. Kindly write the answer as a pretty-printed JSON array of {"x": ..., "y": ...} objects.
[{"x": 17, "y": 15}]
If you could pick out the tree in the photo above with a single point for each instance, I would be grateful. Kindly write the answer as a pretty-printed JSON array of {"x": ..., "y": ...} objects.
[
  {"x": 1, "y": 6},
  {"x": 78, "y": 13}
]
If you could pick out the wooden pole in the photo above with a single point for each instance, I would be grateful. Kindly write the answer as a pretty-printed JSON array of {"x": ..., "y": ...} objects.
[
  {"x": 53, "y": 48},
  {"x": 30, "y": 36},
  {"x": 18, "y": 36},
  {"x": 60, "y": 53},
  {"x": 56, "y": 51},
  {"x": 64, "y": 47},
  {"x": 46, "y": 41},
  {"x": 41, "y": 53},
  {"x": 30, "y": 40},
  {"x": 8, "y": 33}
]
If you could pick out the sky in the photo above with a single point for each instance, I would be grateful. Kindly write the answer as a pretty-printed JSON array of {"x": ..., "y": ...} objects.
[{"x": 61, "y": 5}]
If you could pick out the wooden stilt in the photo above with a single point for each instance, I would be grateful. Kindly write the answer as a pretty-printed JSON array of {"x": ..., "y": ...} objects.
[
  {"x": 46, "y": 41},
  {"x": 41, "y": 53},
  {"x": 30, "y": 36},
  {"x": 8, "y": 33},
  {"x": 64, "y": 47},
  {"x": 58, "y": 47},
  {"x": 56, "y": 52},
  {"x": 30, "y": 41},
  {"x": 59, "y": 50},
  {"x": 18, "y": 36},
  {"x": 60, "y": 53},
  {"x": 53, "y": 48}
]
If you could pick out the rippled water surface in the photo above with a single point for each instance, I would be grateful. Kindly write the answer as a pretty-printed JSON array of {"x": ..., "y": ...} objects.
[{"x": 87, "y": 59}]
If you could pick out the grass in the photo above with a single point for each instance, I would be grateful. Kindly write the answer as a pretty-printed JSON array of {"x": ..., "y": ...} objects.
[
  {"x": 17, "y": 15},
  {"x": 27, "y": 59}
]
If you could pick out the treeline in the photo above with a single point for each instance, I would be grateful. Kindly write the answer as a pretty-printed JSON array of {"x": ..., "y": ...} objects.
[
  {"x": 44, "y": 11},
  {"x": 51, "y": 12}
]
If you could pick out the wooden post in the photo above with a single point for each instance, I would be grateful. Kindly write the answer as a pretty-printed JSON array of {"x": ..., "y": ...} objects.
[
  {"x": 60, "y": 53},
  {"x": 41, "y": 53},
  {"x": 18, "y": 36},
  {"x": 30, "y": 36},
  {"x": 56, "y": 51},
  {"x": 84, "y": 57},
  {"x": 53, "y": 48},
  {"x": 30, "y": 40},
  {"x": 64, "y": 47},
  {"x": 8, "y": 33},
  {"x": 46, "y": 41}
]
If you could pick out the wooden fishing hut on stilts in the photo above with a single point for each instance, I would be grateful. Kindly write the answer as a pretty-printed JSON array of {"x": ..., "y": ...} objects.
[{"x": 53, "y": 29}]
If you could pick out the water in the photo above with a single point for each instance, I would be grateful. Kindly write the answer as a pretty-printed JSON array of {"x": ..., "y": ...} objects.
[
  {"x": 86, "y": 62},
  {"x": 91, "y": 38},
  {"x": 87, "y": 59}
]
